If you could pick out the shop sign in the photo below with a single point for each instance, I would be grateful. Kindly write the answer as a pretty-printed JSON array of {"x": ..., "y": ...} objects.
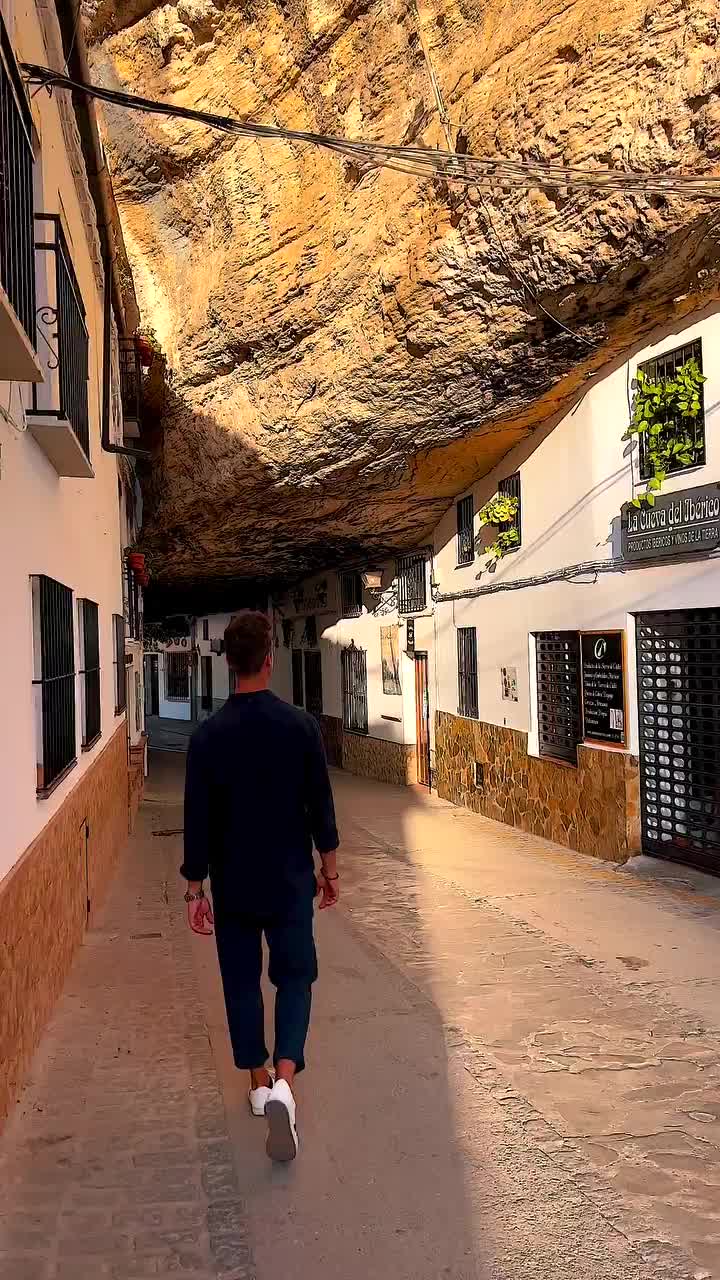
[
  {"x": 680, "y": 523},
  {"x": 603, "y": 686},
  {"x": 410, "y": 637}
]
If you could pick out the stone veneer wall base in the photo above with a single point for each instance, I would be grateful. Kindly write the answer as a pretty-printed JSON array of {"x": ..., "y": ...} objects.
[
  {"x": 594, "y": 808},
  {"x": 43, "y": 905},
  {"x": 379, "y": 759}
]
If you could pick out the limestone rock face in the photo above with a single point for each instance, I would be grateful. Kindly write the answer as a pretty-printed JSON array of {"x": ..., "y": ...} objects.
[{"x": 350, "y": 349}]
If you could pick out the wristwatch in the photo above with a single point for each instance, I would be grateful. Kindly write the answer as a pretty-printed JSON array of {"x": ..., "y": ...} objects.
[
  {"x": 194, "y": 897},
  {"x": 325, "y": 875}
]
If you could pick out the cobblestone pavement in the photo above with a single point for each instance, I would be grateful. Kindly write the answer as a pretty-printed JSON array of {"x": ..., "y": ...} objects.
[
  {"x": 117, "y": 1162},
  {"x": 513, "y": 1072}
]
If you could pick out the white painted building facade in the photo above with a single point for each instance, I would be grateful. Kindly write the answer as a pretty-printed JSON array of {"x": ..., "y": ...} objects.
[
  {"x": 65, "y": 774},
  {"x": 497, "y": 744}
]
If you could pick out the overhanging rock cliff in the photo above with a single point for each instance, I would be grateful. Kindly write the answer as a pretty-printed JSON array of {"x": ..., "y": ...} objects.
[{"x": 349, "y": 349}]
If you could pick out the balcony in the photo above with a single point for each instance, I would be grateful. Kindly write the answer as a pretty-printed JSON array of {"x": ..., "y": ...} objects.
[
  {"x": 130, "y": 384},
  {"x": 18, "y": 360},
  {"x": 59, "y": 419}
]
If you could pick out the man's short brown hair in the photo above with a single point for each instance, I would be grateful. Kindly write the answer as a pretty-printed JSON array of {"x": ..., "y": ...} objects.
[{"x": 248, "y": 642}]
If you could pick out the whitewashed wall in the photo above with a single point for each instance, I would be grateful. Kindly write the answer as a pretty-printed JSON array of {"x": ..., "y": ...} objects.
[
  {"x": 390, "y": 716},
  {"x": 574, "y": 483},
  {"x": 65, "y": 528}
]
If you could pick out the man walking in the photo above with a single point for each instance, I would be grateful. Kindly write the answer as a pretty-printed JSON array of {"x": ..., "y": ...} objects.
[{"x": 257, "y": 796}]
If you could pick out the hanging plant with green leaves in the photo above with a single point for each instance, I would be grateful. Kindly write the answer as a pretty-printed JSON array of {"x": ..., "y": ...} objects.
[
  {"x": 499, "y": 511},
  {"x": 664, "y": 415}
]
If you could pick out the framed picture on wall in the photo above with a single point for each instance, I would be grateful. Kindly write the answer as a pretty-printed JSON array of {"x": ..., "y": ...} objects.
[
  {"x": 509, "y": 684},
  {"x": 390, "y": 658}
]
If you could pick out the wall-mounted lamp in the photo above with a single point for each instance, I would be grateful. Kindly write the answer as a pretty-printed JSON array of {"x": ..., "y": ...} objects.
[{"x": 372, "y": 579}]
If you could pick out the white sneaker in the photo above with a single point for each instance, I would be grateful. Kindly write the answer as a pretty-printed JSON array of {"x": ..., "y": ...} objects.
[
  {"x": 258, "y": 1097},
  {"x": 282, "y": 1139}
]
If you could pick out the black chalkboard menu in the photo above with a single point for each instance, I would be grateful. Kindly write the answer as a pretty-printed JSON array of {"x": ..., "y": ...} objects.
[{"x": 603, "y": 683}]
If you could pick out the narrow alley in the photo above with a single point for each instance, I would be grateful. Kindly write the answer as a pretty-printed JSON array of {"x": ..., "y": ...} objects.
[{"x": 493, "y": 1091}]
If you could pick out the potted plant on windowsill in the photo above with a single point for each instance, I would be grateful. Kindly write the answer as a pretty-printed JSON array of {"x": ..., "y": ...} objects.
[
  {"x": 499, "y": 514},
  {"x": 136, "y": 561},
  {"x": 664, "y": 416}
]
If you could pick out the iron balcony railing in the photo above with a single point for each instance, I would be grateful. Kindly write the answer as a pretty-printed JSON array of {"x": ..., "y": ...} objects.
[
  {"x": 62, "y": 333},
  {"x": 130, "y": 380},
  {"x": 17, "y": 267}
]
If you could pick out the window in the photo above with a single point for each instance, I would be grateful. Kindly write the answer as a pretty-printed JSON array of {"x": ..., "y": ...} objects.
[
  {"x": 410, "y": 574},
  {"x": 465, "y": 542},
  {"x": 90, "y": 672},
  {"x": 206, "y": 629},
  {"x": 510, "y": 488},
  {"x": 177, "y": 677},
  {"x": 666, "y": 366},
  {"x": 310, "y": 633},
  {"x": 351, "y": 594},
  {"x": 558, "y": 694},
  {"x": 313, "y": 683},
  {"x": 206, "y": 694},
  {"x": 54, "y": 680},
  {"x": 134, "y": 614},
  {"x": 467, "y": 672},
  {"x": 119, "y": 662},
  {"x": 354, "y": 673},
  {"x": 297, "y": 678}
]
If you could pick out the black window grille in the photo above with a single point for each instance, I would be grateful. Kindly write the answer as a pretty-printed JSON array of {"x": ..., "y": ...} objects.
[
  {"x": 465, "y": 541},
  {"x": 54, "y": 680},
  {"x": 558, "y": 694},
  {"x": 297, "y": 678},
  {"x": 90, "y": 672},
  {"x": 119, "y": 663},
  {"x": 310, "y": 632},
  {"x": 288, "y": 630},
  {"x": 665, "y": 367},
  {"x": 351, "y": 594},
  {"x": 64, "y": 393},
  {"x": 17, "y": 265},
  {"x": 206, "y": 629},
  {"x": 177, "y": 677},
  {"x": 133, "y": 612},
  {"x": 206, "y": 675},
  {"x": 467, "y": 672},
  {"x": 355, "y": 700},
  {"x": 412, "y": 594},
  {"x": 313, "y": 683},
  {"x": 678, "y": 667},
  {"x": 510, "y": 488}
]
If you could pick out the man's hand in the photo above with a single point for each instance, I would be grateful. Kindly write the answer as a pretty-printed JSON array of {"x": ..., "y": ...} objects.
[
  {"x": 200, "y": 917},
  {"x": 329, "y": 891}
]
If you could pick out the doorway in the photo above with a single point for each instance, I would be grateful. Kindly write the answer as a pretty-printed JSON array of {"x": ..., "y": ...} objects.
[
  {"x": 422, "y": 716},
  {"x": 152, "y": 685},
  {"x": 678, "y": 661}
]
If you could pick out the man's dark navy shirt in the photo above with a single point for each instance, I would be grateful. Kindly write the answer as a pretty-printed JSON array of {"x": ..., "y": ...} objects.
[{"x": 257, "y": 796}]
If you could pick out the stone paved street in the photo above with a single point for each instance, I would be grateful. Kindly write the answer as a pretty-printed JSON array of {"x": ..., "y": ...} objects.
[{"x": 514, "y": 1071}]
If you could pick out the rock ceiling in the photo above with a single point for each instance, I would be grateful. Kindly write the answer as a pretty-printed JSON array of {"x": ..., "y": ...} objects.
[{"x": 350, "y": 349}]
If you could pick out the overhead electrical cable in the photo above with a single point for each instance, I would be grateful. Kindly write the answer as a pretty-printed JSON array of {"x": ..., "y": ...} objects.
[{"x": 486, "y": 172}]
